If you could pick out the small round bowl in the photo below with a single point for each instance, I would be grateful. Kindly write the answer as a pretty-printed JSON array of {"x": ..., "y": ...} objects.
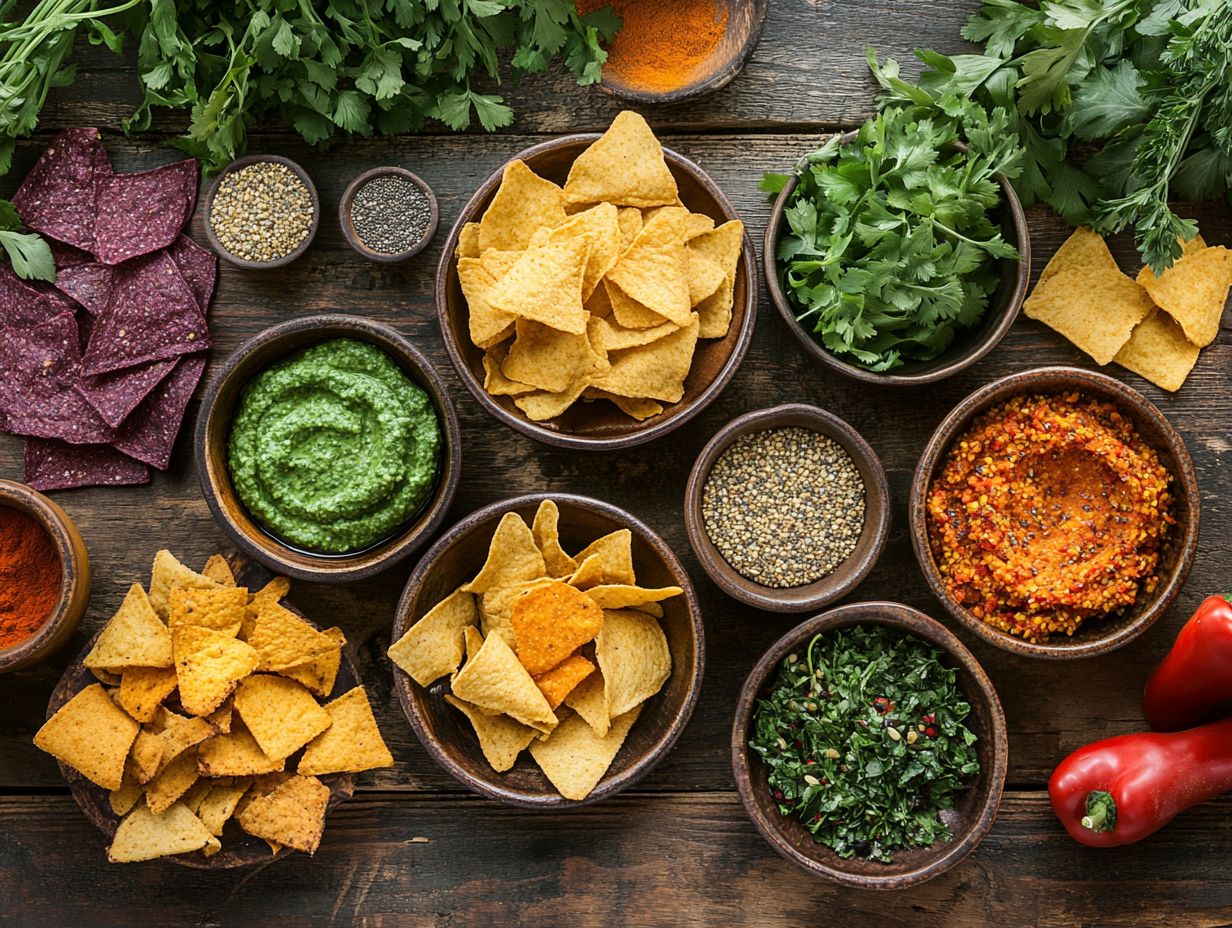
[
  {"x": 968, "y": 347},
  {"x": 1094, "y": 636},
  {"x": 745, "y": 19},
  {"x": 245, "y": 263},
  {"x": 971, "y": 816},
  {"x": 348, "y": 225},
  {"x": 214, "y": 428},
  {"x": 445, "y": 732},
  {"x": 74, "y": 577},
  {"x": 847, "y": 575},
  {"x": 600, "y": 426}
]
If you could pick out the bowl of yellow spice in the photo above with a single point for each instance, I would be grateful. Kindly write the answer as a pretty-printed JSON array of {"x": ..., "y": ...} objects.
[{"x": 668, "y": 51}]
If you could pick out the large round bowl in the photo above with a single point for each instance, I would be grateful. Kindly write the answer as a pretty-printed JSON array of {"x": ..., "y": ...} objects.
[
  {"x": 447, "y": 735},
  {"x": 214, "y": 429},
  {"x": 1094, "y": 636},
  {"x": 972, "y": 814},
  {"x": 600, "y": 425}
]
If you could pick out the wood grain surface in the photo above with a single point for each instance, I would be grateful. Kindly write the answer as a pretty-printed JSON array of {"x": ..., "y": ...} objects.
[{"x": 676, "y": 850}]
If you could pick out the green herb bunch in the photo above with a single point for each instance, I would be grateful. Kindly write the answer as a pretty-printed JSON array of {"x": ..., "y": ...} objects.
[
  {"x": 864, "y": 740},
  {"x": 890, "y": 247}
]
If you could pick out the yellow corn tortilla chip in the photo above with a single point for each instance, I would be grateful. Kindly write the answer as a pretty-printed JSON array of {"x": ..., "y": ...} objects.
[
  {"x": 696, "y": 224},
  {"x": 318, "y": 675},
  {"x": 1193, "y": 291},
  {"x": 235, "y": 755},
  {"x": 145, "y": 758},
  {"x": 546, "y": 532},
  {"x": 218, "y": 805},
  {"x": 633, "y": 655},
  {"x": 135, "y": 637},
  {"x": 474, "y": 641},
  {"x": 353, "y": 743},
  {"x": 143, "y": 835},
  {"x": 541, "y": 406},
  {"x": 626, "y": 596},
  {"x": 723, "y": 246},
  {"x": 574, "y": 759},
  {"x": 589, "y": 701},
  {"x": 221, "y": 609},
  {"x": 196, "y": 794},
  {"x": 209, "y": 666},
  {"x": 588, "y": 574},
  {"x": 609, "y": 335},
  {"x": 495, "y": 679},
  {"x": 550, "y": 623},
  {"x": 143, "y": 689},
  {"x": 523, "y": 203},
  {"x": 262, "y": 785},
  {"x": 637, "y": 407},
  {"x": 494, "y": 379},
  {"x": 625, "y": 167},
  {"x": 292, "y": 815},
  {"x": 1159, "y": 351},
  {"x": 168, "y": 573},
  {"x": 1096, "y": 312},
  {"x": 218, "y": 570},
  {"x": 601, "y": 229},
  {"x": 704, "y": 276},
  {"x": 654, "y": 609},
  {"x": 499, "y": 263},
  {"x": 107, "y": 677},
  {"x": 654, "y": 269},
  {"x": 282, "y": 639},
  {"x": 615, "y": 553},
  {"x": 561, "y": 680},
  {"x": 513, "y": 557},
  {"x": 182, "y": 733},
  {"x": 628, "y": 312},
  {"x": 91, "y": 734},
  {"x": 432, "y": 647},
  {"x": 500, "y": 738},
  {"x": 655, "y": 371},
  {"x": 468, "y": 241},
  {"x": 1085, "y": 250},
  {"x": 172, "y": 782},
  {"x": 600, "y": 304},
  {"x": 549, "y": 359},
  {"x": 220, "y": 718},
  {"x": 488, "y": 325},
  {"x": 279, "y": 713},
  {"x": 545, "y": 285},
  {"x": 273, "y": 591},
  {"x": 123, "y": 799}
]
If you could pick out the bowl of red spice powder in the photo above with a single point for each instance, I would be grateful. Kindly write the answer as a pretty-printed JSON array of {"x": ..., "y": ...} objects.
[
  {"x": 44, "y": 577},
  {"x": 668, "y": 51}
]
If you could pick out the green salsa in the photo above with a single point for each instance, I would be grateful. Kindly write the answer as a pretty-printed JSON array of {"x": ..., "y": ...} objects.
[{"x": 334, "y": 448}]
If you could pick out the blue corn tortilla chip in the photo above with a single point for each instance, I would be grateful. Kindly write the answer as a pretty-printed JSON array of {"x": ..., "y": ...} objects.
[
  {"x": 152, "y": 315},
  {"x": 56, "y": 465},
  {"x": 149, "y": 433},
  {"x": 27, "y": 303},
  {"x": 68, "y": 256},
  {"x": 116, "y": 394},
  {"x": 89, "y": 283},
  {"x": 199, "y": 267},
  {"x": 58, "y": 196},
  {"x": 141, "y": 213}
]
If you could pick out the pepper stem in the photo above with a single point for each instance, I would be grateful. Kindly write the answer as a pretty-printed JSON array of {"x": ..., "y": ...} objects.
[{"x": 1101, "y": 811}]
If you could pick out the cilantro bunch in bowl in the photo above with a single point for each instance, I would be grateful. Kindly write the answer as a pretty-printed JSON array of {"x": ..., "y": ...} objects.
[{"x": 889, "y": 249}]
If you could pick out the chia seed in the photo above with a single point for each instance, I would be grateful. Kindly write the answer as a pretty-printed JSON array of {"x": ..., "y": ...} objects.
[
  {"x": 785, "y": 507},
  {"x": 390, "y": 214},
  {"x": 262, "y": 212}
]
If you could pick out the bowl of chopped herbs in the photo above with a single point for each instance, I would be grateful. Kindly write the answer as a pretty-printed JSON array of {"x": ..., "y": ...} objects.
[
  {"x": 899, "y": 253},
  {"x": 869, "y": 747}
]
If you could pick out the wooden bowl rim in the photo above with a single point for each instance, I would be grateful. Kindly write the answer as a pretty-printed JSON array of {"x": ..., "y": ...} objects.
[
  {"x": 639, "y": 433},
  {"x": 974, "y": 353},
  {"x": 489, "y": 784},
  {"x": 246, "y": 263},
  {"x": 912, "y": 621},
  {"x": 329, "y": 568},
  {"x": 1054, "y": 379},
  {"x": 848, "y": 575},
  {"x": 348, "y": 227}
]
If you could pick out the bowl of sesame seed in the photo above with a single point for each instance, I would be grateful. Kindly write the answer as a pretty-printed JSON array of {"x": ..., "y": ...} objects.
[
  {"x": 261, "y": 212},
  {"x": 388, "y": 214},
  {"x": 787, "y": 508}
]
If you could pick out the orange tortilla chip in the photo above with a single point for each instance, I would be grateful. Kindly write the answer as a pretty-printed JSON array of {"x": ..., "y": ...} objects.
[
  {"x": 319, "y": 674},
  {"x": 352, "y": 743},
  {"x": 221, "y": 609},
  {"x": 143, "y": 689},
  {"x": 282, "y": 639},
  {"x": 209, "y": 666},
  {"x": 292, "y": 815},
  {"x": 219, "y": 570},
  {"x": 551, "y": 622},
  {"x": 279, "y": 713},
  {"x": 168, "y": 573},
  {"x": 556, "y": 684}
]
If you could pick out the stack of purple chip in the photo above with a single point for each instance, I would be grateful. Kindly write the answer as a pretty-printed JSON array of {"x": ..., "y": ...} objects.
[{"x": 97, "y": 371}]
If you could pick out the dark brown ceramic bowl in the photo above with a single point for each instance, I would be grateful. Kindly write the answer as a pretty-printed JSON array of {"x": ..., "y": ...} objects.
[
  {"x": 1094, "y": 636},
  {"x": 600, "y": 425},
  {"x": 745, "y": 19},
  {"x": 968, "y": 348},
  {"x": 848, "y": 575},
  {"x": 66, "y": 615},
  {"x": 971, "y": 816},
  {"x": 445, "y": 732},
  {"x": 245, "y": 263},
  {"x": 214, "y": 429},
  {"x": 348, "y": 224}
]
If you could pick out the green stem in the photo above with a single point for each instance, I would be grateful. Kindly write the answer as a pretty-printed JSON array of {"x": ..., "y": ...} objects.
[{"x": 1101, "y": 811}]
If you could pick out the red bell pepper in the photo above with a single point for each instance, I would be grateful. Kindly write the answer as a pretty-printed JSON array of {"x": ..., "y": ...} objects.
[
  {"x": 1122, "y": 789},
  {"x": 1194, "y": 681}
]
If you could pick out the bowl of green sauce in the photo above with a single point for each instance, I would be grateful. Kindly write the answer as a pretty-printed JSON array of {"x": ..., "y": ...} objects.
[{"x": 328, "y": 449}]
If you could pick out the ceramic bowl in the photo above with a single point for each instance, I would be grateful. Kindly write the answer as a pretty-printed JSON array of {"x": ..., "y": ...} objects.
[
  {"x": 348, "y": 224},
  {"x": 847, "y": 575},
  {"x": 600, "y": 425},
  {"x": 1094, "y": 636},
  {"x": 245, "y": 263},
  {"x": 976, "y": 807},
  {"x": 445, "y": 732},
  {"x": 214, "y": 428}
]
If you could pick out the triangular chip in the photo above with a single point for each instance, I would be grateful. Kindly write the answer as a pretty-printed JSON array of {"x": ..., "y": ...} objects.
[
  {"x": 168, "y": 573},
  {"x": 145, "y": 758},
  {"x": 235, "y": 755},
  {"x": 353, "y": 743},
  {"x": 561, "y": 680},
  {"x": 143, "y": 689},
  {"x": 91, "y": 734},
  {"x": 513, "y": 557},
  {"x": 218, "y": 570},
  {"x": 494, "y": 679},
  {"x": 633, "y": 655},
  {"x": 172, "y": 782},
  {"x": 279, "y": 713},
  {"x": 106, "y": 677},
  {"x": 551, "y": 360},
  {"x": 282, "y": 639},
  {"x": 123, "y": 799},
  {"x": 292, "y": 815},
  {"x": 221, "y": 609},
  {"x": 432, "y": 647},
  {"x": 468, "y": 241},
  {"x": 724, "y": 246},
  {"x": 135, "y": 637},
  {"x": 273, "y": 591},
  {"x": 318, "y": 675},
  {"x": 615, "y": 556},
  {"x": 588, "y": 574},
  {"x": 1096, "y": 311},
  {"x": 182, "y": 733},
  {"x": 629, "y": 218},
  {"x": 550, "y": 623},
  {"x": 209, "y": 665},
  {"x": 654, "y": 269},
  {"x": 1085, "y": 250},
  {"x": 588, "y": 701},
  {"x": 500, "y": 738},
  {"x": 488, "y": 325},
  {"x": 629, "y": 313},
  {"x": 145, "y": 836},
  {"x": 599, "y": 226},
  {"x": 546, "y": 533},
  {"x": 704, "y": 276},
  {"x": 639, "y": 408},
  {"x": 626, "y": 596},
  {"x": 541, "y": 405},
  {"x": 218, "y": 805},
  {"x": 574, "y": 759},
  {"x": 609, "y": 335},
  {"x": 494, "y": 379},
  {"x": 545, "y": 285},
  {"x": 496, "y": 608},
  {"x": 1159, "y": 351},
  {"x": 196, "y": 795},
  {"x": 1193, "y": 291},
  {"x": 697, "y": 224},
  {"x": 655, "y": 371},
  {"x": 220, "y": 718},
  {"x": 625, "y": 166},
  {"x": 474, "y": 641},
  {"x": 523, "y": 203}
]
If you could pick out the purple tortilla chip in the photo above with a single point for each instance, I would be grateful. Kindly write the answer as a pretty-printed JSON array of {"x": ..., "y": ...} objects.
[
  {"x": 118, "y": 393},
  {"x": 141, "y": 213},
  {"x": 55, "y": 465},
  {"x": 88, "y": 283},
  {"x": 38, "y": 369},
  {"x": 57, "y": 197},
  {"x": 27, "y": 303},
  {"x": 150, "y": 432},
  {"x": 152, "y": 315},
  {"x": 199, "y": 267},
  {"x": 68, "y": 256}
]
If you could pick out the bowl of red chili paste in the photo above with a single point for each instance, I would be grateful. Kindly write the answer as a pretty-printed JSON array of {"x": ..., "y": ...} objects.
[{"x": 44, "y": 577}]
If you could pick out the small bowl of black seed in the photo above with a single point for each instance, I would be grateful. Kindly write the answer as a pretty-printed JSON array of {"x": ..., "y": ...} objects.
[
  {"x": 787, "y": 508},
  {"x": 388, "y": 214},
  {"x": 262, "y": 212}
]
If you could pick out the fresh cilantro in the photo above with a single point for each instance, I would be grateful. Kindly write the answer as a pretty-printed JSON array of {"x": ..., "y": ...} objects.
[{"x": 28, "y": 253}]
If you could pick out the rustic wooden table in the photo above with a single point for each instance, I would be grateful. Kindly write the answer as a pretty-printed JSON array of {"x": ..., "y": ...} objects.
[{"x": 413, "y": 848}]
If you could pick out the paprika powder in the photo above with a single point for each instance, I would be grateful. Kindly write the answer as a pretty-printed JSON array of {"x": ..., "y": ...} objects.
[
  {"x": 662, "y": 45},
  {"x": 30, "y": 578}
]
